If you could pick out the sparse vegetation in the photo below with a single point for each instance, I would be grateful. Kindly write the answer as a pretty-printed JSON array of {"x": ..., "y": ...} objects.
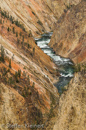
[
  {"x": 39, "y": 22},
  {"x": 16, "y": 22},
  {"x": 77, "y": 68},
  {"x": 2, "y": 54}
]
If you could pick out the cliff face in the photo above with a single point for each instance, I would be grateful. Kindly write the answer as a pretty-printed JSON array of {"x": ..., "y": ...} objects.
[
  {"x": 68, "y": 39},
  {"x": 72, "y": 106}
]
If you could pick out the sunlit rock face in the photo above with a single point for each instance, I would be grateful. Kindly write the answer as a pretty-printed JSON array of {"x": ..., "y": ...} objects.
[
  {"x": 68, "y": 39},
  {"x": 35, "y": 15},
  {"x": 39, "y": 16},
  {"x": 72, "y": 106}
]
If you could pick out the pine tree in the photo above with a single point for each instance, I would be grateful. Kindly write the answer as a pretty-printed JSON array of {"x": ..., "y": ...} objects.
[
  {"x": 28, "y": 78},
  {"x": 16, "y": 34},
  {"x": 10, "y": 63},
  {"x": 33, "y": 51},
  {"x": 2, "y": 54},
  {"x": 16, "y": 77},
  {"x": 33, "y": 85},
  {"x": 8, "y": 29},
  {"x": 19, "y": 73},
  {"x": 23, "y": 38},
  {"x": 13, "y": 30}
]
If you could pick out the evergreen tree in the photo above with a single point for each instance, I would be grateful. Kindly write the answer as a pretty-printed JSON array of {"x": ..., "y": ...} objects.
[
  {"x": 10, "y": 63},
  {"x": 33, "y": 85},
  {"x": 33, "y": 51},
  {"x": 23, "y": 38},
  {"x": 8, "y": 29},
  {"x": 19, "y": 73},
  {"x": 20, "y": 34},
  {"x": 2, "y": 54},
  {"x": 16, "y": 34},
  {"x": 16, "y": 77},
  {"x": 13, "y": 30},
  {"x": 28, "y": 78}
]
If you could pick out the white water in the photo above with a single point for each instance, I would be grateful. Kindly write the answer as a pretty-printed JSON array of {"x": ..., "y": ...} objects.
[{"x": 64, "y": 64}]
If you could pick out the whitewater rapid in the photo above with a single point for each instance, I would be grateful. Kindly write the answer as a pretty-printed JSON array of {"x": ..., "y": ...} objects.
[{"x": 65, "y": 65}]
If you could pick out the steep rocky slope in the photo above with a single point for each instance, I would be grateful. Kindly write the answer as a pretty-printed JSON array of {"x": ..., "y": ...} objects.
[
  {"x": 60, "y": 6},
  {"x": 35, "y": 15},
  {"x": 72, "y": 106},
  {"x": 39, "y": 16},
  {"x": 68, "y": 39},
  {"x": 27, "y": 93},
  {"x": 26, "y": 73}
]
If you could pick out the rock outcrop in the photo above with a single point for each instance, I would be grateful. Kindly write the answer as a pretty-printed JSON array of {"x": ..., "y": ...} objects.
[{"x": 68, "y": 39}]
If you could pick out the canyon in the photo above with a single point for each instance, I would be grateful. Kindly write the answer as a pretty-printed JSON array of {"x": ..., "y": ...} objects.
[{"x": 28, "y": 96}]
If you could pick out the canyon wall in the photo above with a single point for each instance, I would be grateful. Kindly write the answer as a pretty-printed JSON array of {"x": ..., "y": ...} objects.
[
  {"x": 39, "y": 16},
  {"x": 68, "y": 39},
  {"x": 35, "y": 15},
  {"x": 72, "y": 106},
  {"x": 26, "y": 76}
]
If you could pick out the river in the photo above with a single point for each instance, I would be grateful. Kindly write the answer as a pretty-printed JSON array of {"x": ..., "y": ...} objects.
[{"x": 65, "y": 65}]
